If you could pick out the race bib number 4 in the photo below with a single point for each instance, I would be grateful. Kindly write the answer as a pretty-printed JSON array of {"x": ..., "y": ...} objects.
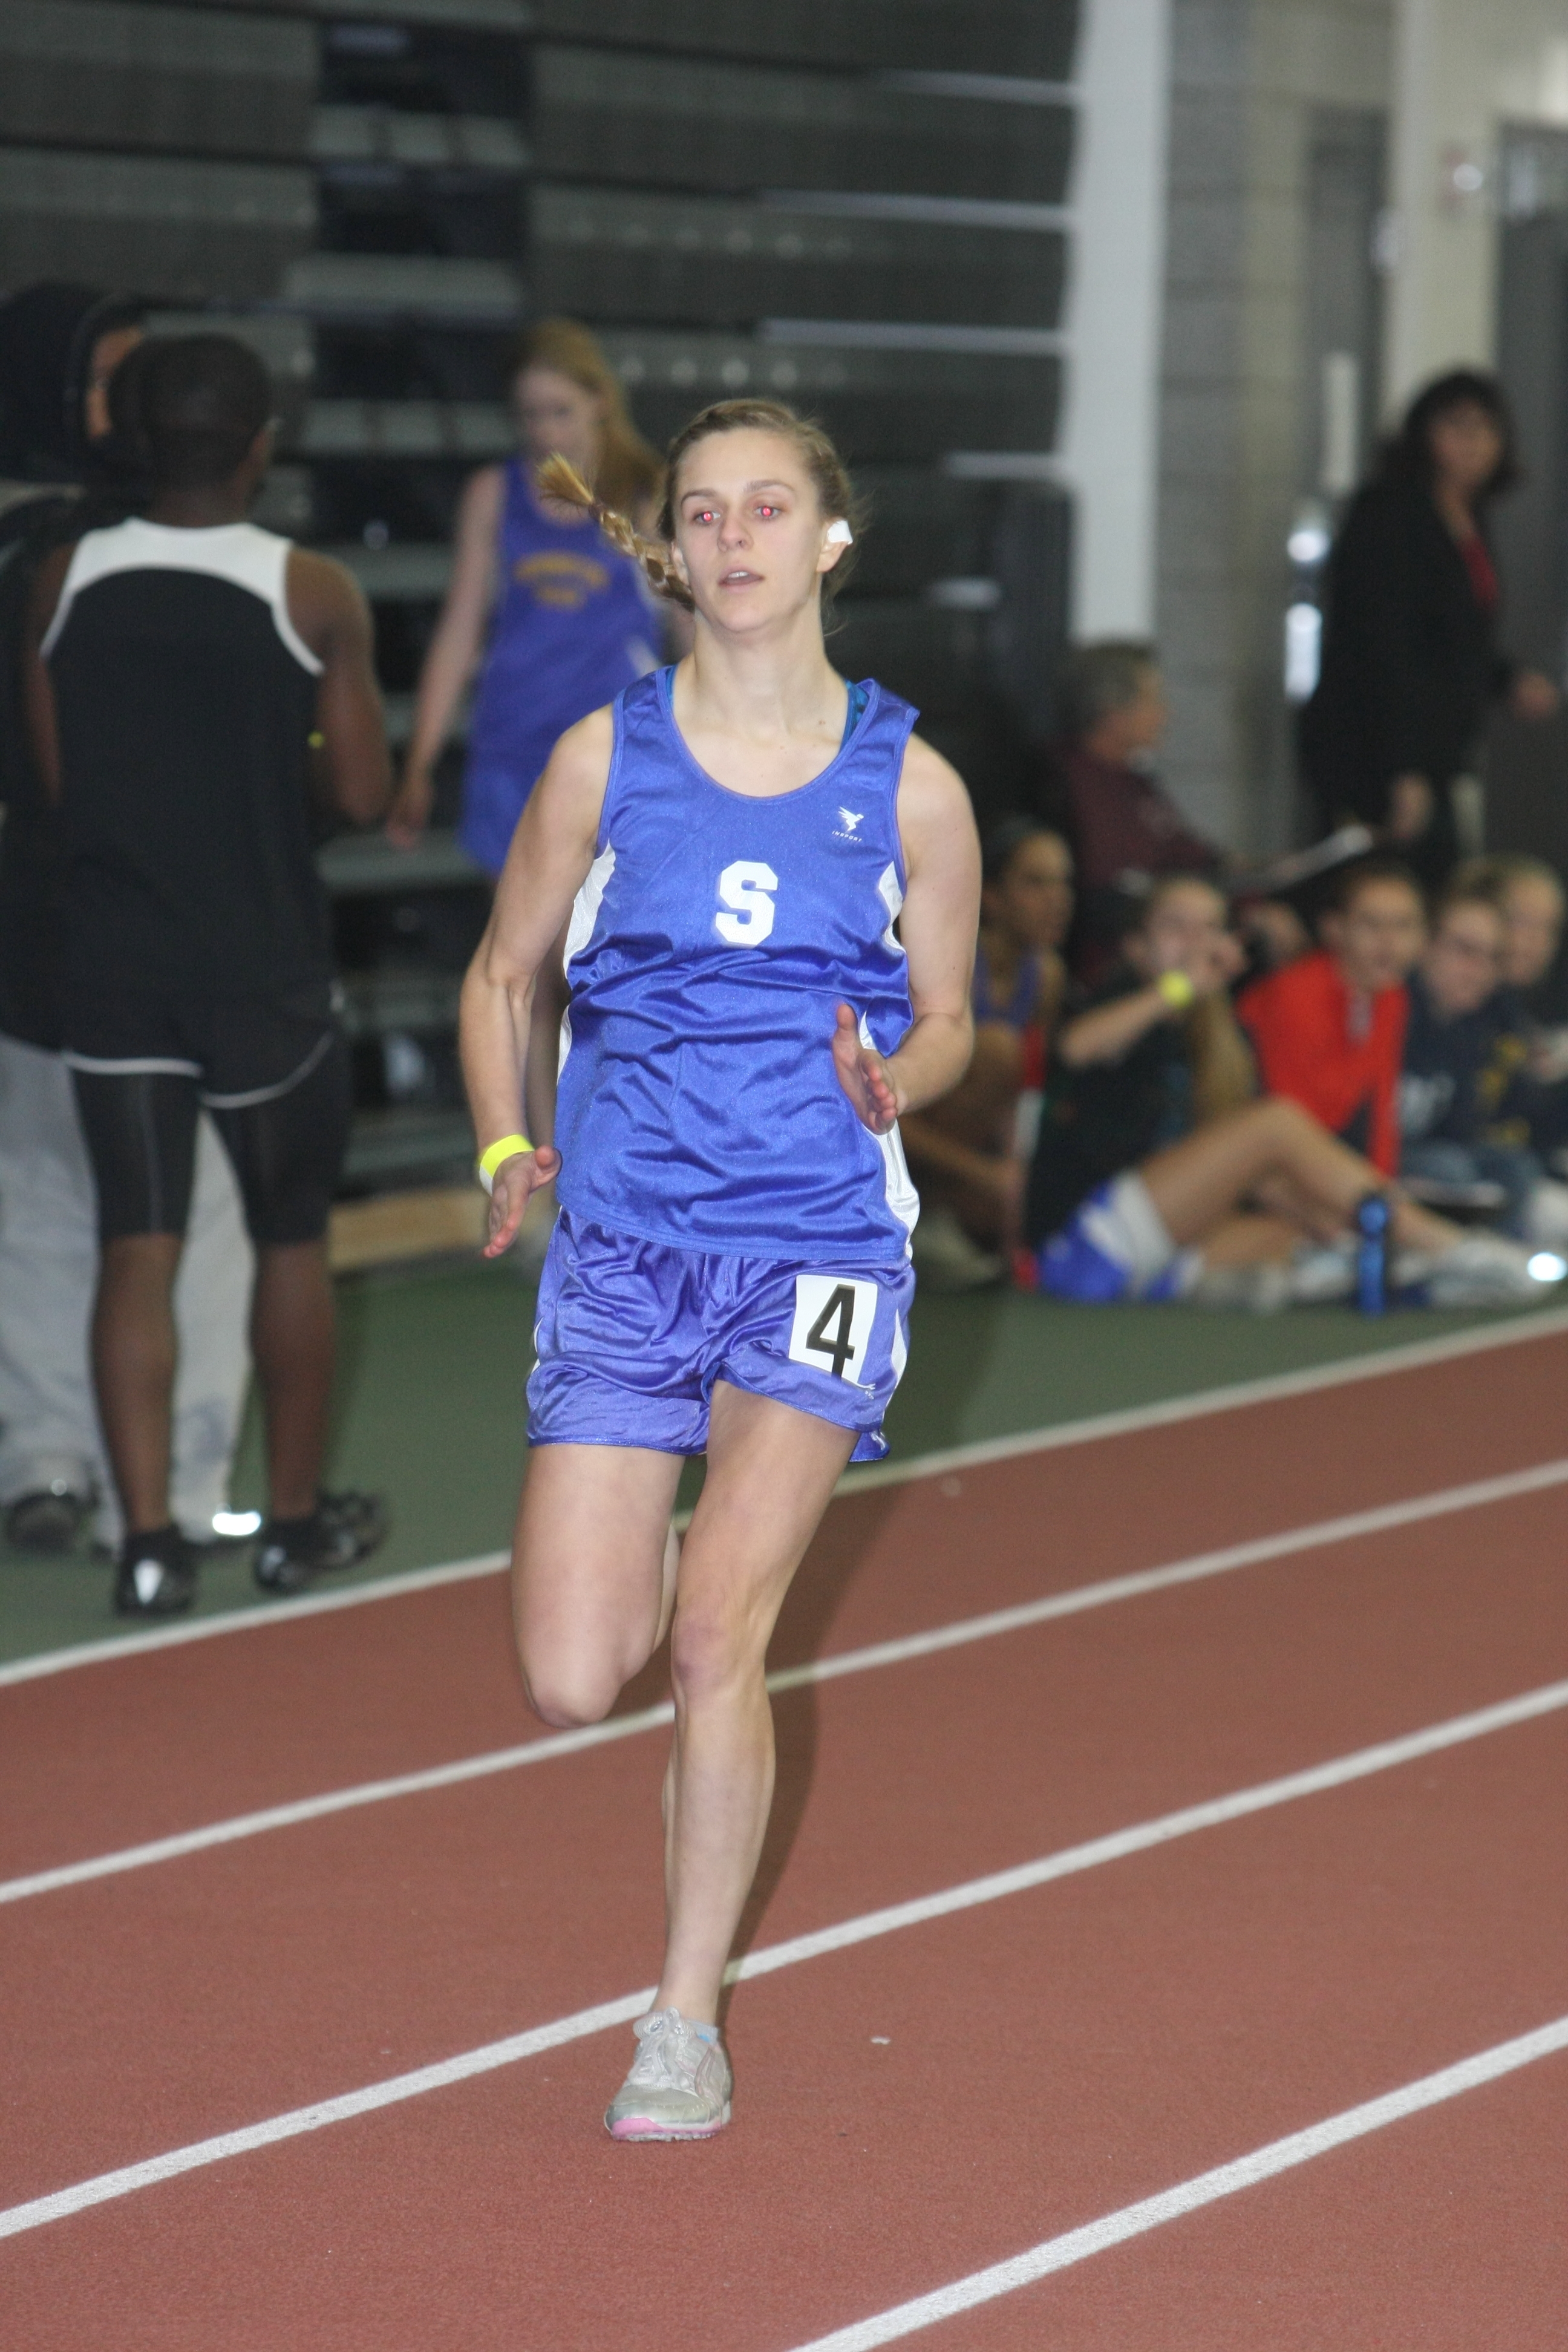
[{"x": 833, "y": 1317}]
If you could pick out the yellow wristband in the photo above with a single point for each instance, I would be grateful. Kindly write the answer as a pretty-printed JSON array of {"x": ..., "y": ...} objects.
[
  {"x": 1176, "y": 989},
  {"x": 490, "y": 1157}
]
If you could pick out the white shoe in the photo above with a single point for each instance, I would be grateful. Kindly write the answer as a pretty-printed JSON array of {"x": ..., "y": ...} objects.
[
  {"x": 946, "y": 1259},
  {"x": 679, "y": 2085},
  {"x": 1487, "y": 1270},
  {"x": 1546, "y": 1215},
  {"x": 1260, "y": 1289},
  {"x": 1321, "y": 1275}
]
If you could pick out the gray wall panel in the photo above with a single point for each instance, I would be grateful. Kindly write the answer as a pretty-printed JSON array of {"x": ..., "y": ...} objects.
[
  {"x": 1030, "y": 37},
  {"x": 602, "y": 115},
  {"x": 94, "y": 75},
  {"x": 608, "y": 252}
]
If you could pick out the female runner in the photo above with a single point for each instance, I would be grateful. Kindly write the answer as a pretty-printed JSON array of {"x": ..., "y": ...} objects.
[
  {"x": 733, "y": 841},
  {"x": 559, "y": 614}
]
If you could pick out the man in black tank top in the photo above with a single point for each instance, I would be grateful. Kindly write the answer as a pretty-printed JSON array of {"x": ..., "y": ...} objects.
[
  {"x": 62, "y": 474},
  {"x": 191, "y": 681}
]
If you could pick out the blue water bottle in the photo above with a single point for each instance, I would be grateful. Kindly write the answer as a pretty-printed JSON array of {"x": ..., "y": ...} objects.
[{"x": 1372, "y": 1254}]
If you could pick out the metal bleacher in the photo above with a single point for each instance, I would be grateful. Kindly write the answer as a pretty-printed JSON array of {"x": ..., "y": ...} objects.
[{"x": 860, "y": 209}]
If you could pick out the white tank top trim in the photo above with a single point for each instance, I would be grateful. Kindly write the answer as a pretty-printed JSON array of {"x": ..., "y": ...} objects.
[{"x": 239, "y": 553}]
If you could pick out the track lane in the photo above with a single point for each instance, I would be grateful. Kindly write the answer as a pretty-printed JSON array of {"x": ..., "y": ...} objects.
[
  {"x": 1445, "y": 2231},
  {"x": 281, "y": 1712},
  {"x": 1091, "y": 2043},
  {"x": 835, "y": 1665},
  {"x": 353, "y": 1949}
]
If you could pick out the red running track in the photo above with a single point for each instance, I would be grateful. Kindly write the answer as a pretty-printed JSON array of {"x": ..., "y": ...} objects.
[{"x": 1049, "y": 2057}]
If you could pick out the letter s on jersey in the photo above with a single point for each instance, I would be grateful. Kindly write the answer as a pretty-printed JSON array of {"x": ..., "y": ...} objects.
[{"x": 743, "y": 888}]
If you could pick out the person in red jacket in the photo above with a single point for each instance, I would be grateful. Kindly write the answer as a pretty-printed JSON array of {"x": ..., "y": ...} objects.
[{"x": 1329, "y": 1030}]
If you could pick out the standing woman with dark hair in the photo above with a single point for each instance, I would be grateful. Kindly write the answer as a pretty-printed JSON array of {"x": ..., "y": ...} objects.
[
  {"x": 558, "y": 616},
  {"x": 1410, "y": 651},
  {"x": 731, "y": 845}
]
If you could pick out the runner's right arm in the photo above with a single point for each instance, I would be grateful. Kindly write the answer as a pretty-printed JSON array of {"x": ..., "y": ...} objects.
[
  {"x": 546, "y": 865},
  {"x": 327, "y": 606},
  {"x": 454, "y": 649}
]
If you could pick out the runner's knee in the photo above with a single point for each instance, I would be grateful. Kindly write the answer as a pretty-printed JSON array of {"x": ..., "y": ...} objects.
[
  {"x": 709, "y": 1648},
  {"x": 569, "y": 1694}
]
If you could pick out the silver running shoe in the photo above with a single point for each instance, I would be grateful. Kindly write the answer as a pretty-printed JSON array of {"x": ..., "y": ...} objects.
[{"x": 679, "y": 2085}]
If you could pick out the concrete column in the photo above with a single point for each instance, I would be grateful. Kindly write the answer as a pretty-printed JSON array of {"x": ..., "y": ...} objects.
[{"x": 1111, "y": 445}]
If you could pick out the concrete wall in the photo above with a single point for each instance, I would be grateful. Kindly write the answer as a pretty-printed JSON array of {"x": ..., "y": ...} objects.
[
  {"x": 1247, "y": 78},
  {"x": 1462, "y": 68}
]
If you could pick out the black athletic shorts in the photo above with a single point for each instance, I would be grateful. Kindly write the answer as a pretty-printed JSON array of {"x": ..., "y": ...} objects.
[{"x": 273, "y": 1071}]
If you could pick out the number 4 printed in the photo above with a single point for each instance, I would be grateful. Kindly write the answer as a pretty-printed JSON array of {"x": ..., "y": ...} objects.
[{"x": 833, "y": 1317}]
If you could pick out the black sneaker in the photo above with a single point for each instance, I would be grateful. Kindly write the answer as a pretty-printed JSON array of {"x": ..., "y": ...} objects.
[
  {"x": 338, "y": 1533},
  {"x": 155, "y": 1575},
  {"x": 48, "y": 1519}
]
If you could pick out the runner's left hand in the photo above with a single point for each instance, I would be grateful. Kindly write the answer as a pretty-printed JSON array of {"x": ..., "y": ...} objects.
[
  {"x": 863, "y": 1075},
  {"x": 515, "y": 1179}
]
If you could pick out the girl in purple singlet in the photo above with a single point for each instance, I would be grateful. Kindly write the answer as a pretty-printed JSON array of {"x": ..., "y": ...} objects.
[{"x": 562, "y": 618}]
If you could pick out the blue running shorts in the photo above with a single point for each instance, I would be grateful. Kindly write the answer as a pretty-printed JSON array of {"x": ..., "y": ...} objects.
[
  {"x": 1115, "y": 1246},
  {"x": 631, "y": 1335}
]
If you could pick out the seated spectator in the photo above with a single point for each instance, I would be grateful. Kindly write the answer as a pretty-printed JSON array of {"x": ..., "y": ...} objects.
[
  {"x": 1524, "y": 1093},
  {"x": 1329, "y": 1030},
  {"x": 1157, "y": 1177},
  {"x": 1464, "y": 1051},
  {"x": 1123, "y": 827},
  {"x": 965, "y": 1152},
  {"x": 1530, "y": 895}
]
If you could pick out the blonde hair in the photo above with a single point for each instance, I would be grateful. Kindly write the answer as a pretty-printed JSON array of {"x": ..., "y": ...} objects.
[
  {"x": 1495, "y": 874},
  {"x": 558, "y": 480},
  {"x": 629, "y": 473},
  {"x": 835, "y": 491}
]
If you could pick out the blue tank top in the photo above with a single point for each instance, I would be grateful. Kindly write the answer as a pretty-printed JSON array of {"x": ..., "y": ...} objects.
[
  {"x": 708, "y": 949},
  {"x": 572, "y": 626}
]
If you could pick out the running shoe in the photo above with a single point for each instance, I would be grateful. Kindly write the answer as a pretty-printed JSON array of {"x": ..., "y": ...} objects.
[
  {"x": 945, "y": 1259},
  {"x": 343, "y": 1530},
  {"x": 1260, "y": 1289},
  {"x": 155, "y": 1575},
  {"x": 49, "y": 1518},
  {"x": 1481, "y": 1270},
  {"x": 679, "y": 2085}
]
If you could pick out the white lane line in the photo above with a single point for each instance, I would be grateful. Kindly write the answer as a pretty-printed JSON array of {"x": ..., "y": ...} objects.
[
  {"x": 1337, "y": 1773},
  {"x": 246, "y": 1620},
  {"x": 1414, "y": 1357},
  {"x": 1385, "y": 1518},
  {"x": 1188, "y": 2195}
]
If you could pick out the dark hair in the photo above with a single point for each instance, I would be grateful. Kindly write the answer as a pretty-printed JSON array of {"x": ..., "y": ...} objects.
[
  {"x": 193, "y": 405},
  {"x": 1148, "y": 903},
  {"x": 49, "y": 333},
  {"x": 1362, "y": 873},
  {"x": 1408, "y": 455},
  {"x": 1100, "y": 679},
  {"x": 1462, "y": 889},
  {"x": 1004, "y": 841}
]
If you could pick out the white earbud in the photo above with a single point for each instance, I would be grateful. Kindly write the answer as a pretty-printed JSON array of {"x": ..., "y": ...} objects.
[{"x": 839, "y": 534}]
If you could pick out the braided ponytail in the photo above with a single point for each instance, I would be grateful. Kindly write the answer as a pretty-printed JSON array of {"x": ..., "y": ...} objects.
[{"x": 558, "y": 480}]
